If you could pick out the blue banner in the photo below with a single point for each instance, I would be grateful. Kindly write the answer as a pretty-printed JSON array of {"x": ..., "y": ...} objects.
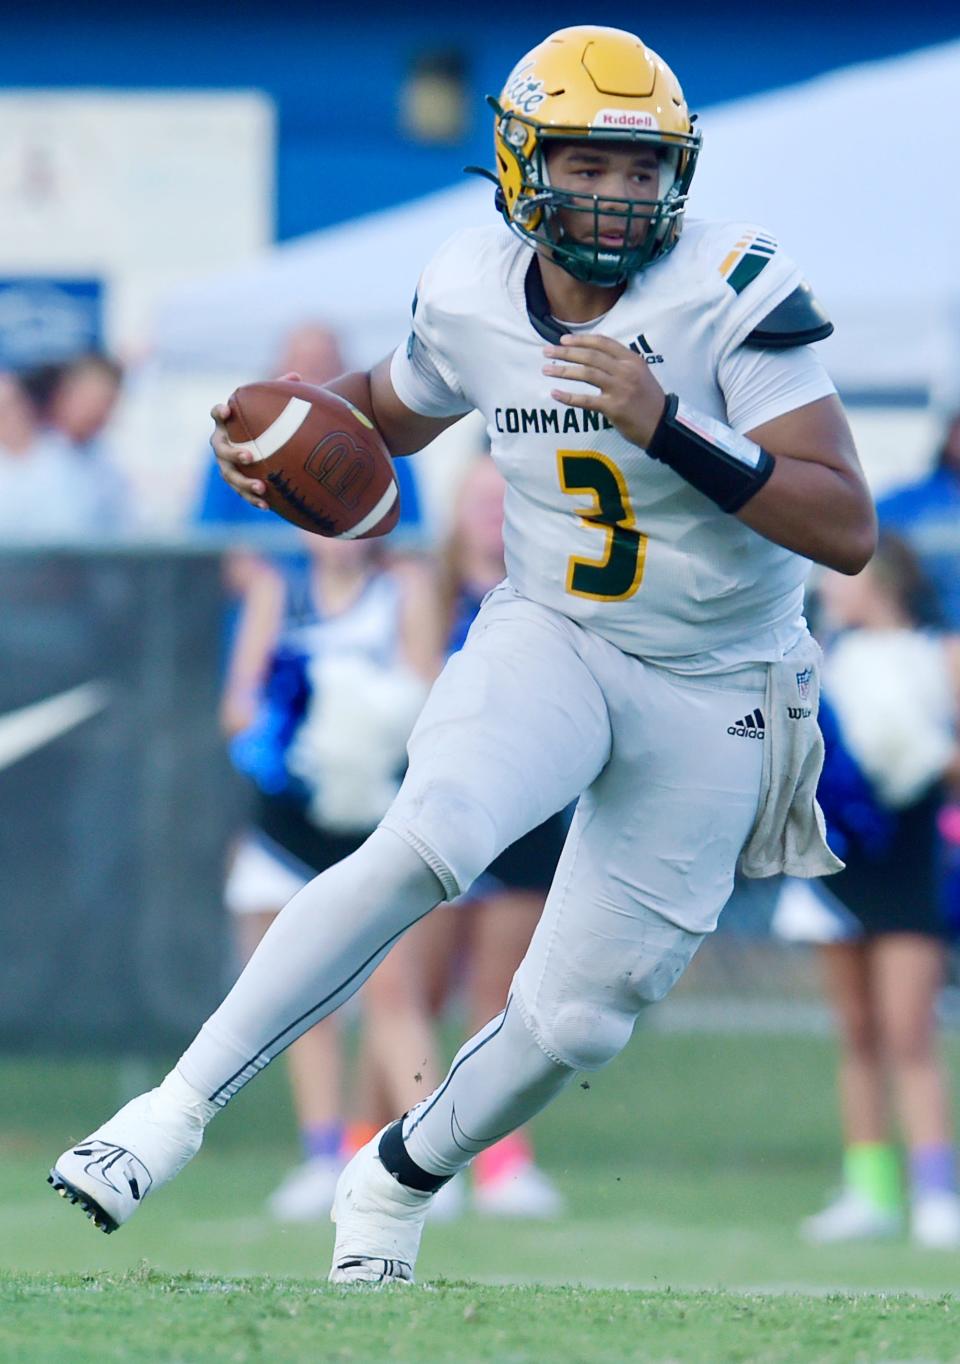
[{"x": 44, "y": 321}]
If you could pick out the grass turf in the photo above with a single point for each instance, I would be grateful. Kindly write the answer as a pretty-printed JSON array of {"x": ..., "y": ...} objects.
[
  {"x": 144, "y": 1317},
  {"x": 686, "y": 1164}
]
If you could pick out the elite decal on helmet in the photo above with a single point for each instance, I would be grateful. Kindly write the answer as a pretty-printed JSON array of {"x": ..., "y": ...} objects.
[{"x": 596, "y": 83}]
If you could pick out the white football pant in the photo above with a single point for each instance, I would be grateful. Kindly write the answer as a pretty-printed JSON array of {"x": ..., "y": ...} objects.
[{"x": 534, "y": 711}]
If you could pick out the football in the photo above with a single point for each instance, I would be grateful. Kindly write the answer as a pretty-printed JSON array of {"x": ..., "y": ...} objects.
[{"x": 322, "y": 461}]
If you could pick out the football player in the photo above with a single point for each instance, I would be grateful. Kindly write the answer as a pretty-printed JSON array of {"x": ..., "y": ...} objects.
[{"x": 675, "y": 457}]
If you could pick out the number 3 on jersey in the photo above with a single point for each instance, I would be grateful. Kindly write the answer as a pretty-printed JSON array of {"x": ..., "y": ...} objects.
[{"x": 619, "y": 573}]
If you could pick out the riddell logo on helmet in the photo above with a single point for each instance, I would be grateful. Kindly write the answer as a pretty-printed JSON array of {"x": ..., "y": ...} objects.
[{"x": 625, "y": 118}]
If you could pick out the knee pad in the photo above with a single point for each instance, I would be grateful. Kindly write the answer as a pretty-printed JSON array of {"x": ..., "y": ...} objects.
[
  {"x": 579, "y": 1035},
  {"x": 587, "y": 1036},
  {"x": 582, "y": 1021}
]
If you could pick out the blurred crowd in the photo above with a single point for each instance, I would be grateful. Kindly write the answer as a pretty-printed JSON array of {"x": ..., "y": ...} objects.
[
  {"x": 57, "y": 478},
  {"x": 330, "y": 648},
  {"x": 883, "y": 925}
]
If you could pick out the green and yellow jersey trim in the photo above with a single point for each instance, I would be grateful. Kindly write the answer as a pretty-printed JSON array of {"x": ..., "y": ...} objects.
[{"x": 747, "y": 259}]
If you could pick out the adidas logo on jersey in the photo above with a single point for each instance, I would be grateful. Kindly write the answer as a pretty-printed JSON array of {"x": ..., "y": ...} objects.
[
  {"x": 750, "y": 727},
  {"x": 642, "y": 347}
]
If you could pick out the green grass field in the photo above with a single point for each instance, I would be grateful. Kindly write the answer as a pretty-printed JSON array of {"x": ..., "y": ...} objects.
[{"x": 687, "y": 1165}]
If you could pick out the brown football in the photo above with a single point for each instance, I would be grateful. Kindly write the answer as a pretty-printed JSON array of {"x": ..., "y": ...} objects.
[{"x": 323, "y": 462}]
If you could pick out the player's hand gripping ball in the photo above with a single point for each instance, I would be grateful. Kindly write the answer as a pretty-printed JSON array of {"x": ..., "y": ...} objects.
[{"x": 323, "y": 463}]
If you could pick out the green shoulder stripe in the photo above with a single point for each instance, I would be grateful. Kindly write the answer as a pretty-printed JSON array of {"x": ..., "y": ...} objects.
[{"x": 747, "y": 269}]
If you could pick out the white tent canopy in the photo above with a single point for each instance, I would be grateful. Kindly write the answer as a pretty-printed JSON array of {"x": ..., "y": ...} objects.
[{"x": 854, "y": 172}]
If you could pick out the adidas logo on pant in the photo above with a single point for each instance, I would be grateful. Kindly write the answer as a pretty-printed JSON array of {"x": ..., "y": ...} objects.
[{"x": 750, "y": 727}]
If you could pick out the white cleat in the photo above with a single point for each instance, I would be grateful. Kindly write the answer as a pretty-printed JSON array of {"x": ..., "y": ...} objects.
[
  {"x": 379, "y": 1222},
  {"x": 112, "y": 1171},
  {"x": 523, "y": 1192},
  {"x": 935, "y": 1221},
  {"x": 306, "y": 1194},
  {"x": 850, "y": 1217}
]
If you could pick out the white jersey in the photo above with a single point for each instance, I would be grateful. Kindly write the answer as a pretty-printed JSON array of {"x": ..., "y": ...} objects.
[{"x": 593, "y": 526}]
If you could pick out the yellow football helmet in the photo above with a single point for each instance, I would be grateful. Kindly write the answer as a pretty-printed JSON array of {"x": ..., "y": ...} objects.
[{"x": 598, "y": 83}]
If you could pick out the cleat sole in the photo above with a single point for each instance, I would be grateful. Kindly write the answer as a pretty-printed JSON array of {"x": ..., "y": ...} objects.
[
  {"x": 370, "y": 1271},
  {"x": 102, "y": 1220}
]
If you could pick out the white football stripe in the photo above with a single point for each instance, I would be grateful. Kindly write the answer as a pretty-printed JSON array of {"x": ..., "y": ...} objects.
[
  {"x": 279, "y": 431},
  {"x": 32, "y": 727},
  {"x": 371, "y": 519}
]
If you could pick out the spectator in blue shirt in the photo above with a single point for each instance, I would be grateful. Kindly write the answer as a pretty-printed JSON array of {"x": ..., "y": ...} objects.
[{"x": 927, "y": 514}]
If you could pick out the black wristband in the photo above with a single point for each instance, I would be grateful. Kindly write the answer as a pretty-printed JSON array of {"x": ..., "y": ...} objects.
[{"x": 713, "y": 458}]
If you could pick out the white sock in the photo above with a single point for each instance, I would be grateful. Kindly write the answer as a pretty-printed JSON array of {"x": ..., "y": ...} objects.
[{"x": 315, "y": 955}]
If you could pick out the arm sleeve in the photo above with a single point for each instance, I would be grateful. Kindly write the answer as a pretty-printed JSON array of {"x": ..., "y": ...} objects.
[{"x": 759, "y": 385}]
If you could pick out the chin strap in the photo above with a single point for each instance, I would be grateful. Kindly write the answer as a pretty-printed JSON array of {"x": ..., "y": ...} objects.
[
  {"x": 499, "y": 202},
  {"x": 484, "y": 172}
]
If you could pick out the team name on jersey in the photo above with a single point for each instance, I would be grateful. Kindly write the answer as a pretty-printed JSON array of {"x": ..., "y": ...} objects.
[{"x": 542, "y": 420}]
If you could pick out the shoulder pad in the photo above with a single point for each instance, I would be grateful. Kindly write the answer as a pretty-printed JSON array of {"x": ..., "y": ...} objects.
[{"x": 797, "y": 321}]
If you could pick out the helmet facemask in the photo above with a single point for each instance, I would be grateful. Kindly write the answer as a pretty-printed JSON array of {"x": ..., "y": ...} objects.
[{"x": 535, "y": 211}]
